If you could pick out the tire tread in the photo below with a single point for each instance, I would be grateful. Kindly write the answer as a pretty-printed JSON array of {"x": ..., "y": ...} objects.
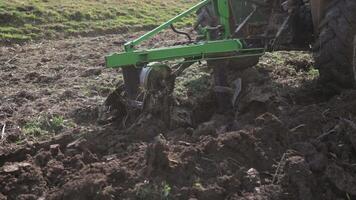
[{"x": 333, "y": 50}]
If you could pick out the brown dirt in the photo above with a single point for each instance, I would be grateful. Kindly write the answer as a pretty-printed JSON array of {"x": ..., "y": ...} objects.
[{"x": 286, "y": 140}]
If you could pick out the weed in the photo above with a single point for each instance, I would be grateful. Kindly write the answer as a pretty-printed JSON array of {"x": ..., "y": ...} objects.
[
  {"x": 42, "y": 127},
  {"x": 152, "y": 191},
  {"x": 193, "y": 83},
  {"x": 165, "y": 191},
  {"x": 56, "y": 123},
  {"x": 313, "y": 73},
  {"x": 34, "y": 129}
]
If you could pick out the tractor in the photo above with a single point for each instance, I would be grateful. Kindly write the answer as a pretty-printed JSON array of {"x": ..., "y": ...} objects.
[{"x": 235, "y": 33}]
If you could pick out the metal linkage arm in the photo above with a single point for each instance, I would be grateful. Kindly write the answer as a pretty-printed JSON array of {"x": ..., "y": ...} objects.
[{"x": 130, "y": 45}]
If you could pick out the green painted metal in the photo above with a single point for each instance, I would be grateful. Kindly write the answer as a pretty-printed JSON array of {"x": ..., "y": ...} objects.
[
  {"x": 223, "y": 10},
  {"x": 130, "y": 45},
  {"x": 206, "y": 50},
  {"x": 203, "y": 49}
]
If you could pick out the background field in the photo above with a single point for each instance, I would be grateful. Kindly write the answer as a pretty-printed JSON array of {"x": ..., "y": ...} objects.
[{"x": 23, "y": 20}]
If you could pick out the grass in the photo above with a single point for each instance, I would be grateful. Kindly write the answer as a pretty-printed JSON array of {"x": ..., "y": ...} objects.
[
  {"x": 153, "y": 191},
  {"x": 313, "y": 73},
  {"x": 193, "y": 83},
  {"x": 42, "y": 127},
  {"x": 33, "y": 128},
  {"x": 24, "y": 20}
]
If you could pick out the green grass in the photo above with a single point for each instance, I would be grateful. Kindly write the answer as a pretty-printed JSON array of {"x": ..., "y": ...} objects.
[
  {"x": 42, "y": 126},
  {"x": 24, "y": 20},
  {"x": 313, "y": 73},
  {"x": 193, "y": 83},
  {"x": 152, "y": 191}
]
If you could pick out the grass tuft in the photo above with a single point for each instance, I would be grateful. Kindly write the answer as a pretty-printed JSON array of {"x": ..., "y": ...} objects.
[{"x": 43, "y": 126}]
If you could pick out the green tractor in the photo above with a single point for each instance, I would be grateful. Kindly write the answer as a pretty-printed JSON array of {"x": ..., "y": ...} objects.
[{"x": 236, "y": 33}]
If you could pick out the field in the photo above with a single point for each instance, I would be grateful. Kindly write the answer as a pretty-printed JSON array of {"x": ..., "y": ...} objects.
[
  {"x": 287, "y": 138},
  {"x": 24, "y": 20}
]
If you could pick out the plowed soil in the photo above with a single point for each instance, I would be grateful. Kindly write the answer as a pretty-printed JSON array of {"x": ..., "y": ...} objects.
[{"x": 286, "y": 139}]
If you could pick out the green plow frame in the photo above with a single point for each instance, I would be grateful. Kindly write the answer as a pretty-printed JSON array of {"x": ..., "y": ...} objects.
[
  {"x": 226, "y": 47},
  {"x": 149, "y": 81}
]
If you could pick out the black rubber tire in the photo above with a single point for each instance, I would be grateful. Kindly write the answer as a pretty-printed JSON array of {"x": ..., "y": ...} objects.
[{"x": 333, "y": 50}]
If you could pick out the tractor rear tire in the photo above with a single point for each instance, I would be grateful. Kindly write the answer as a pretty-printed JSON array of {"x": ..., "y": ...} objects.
[{"x": 333, "y": 50}]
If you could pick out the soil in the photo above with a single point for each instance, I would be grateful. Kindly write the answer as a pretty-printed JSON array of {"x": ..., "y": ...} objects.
[{"x": 286, "y": 139}]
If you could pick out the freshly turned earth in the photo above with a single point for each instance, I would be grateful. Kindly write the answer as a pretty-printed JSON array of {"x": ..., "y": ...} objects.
[{"x": 285, "y": 140}]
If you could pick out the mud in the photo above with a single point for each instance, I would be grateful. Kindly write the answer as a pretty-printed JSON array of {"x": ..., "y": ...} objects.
[{"x": 285, "y": 140}]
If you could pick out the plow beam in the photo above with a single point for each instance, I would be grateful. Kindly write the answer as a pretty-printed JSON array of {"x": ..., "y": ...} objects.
[{"x": 201, "y": 51}]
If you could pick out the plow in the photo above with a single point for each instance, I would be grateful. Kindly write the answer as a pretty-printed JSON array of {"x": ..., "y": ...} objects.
[
  {"x": 232, "y": 33},
  {"x": 207, "y": 113}
]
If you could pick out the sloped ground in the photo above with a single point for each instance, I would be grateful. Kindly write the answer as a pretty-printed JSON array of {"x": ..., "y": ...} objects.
[
  {"x": 25, "y": 20},
  {"x": 286, "y": 140}
]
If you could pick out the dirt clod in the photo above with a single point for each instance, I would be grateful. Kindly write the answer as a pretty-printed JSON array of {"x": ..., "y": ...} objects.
[
  {"x": 91, "y": 72},
  {"x": 14, "y": 167},
  {"x": 343, "y": 180},
  {"x": 157, "y": 155}
]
